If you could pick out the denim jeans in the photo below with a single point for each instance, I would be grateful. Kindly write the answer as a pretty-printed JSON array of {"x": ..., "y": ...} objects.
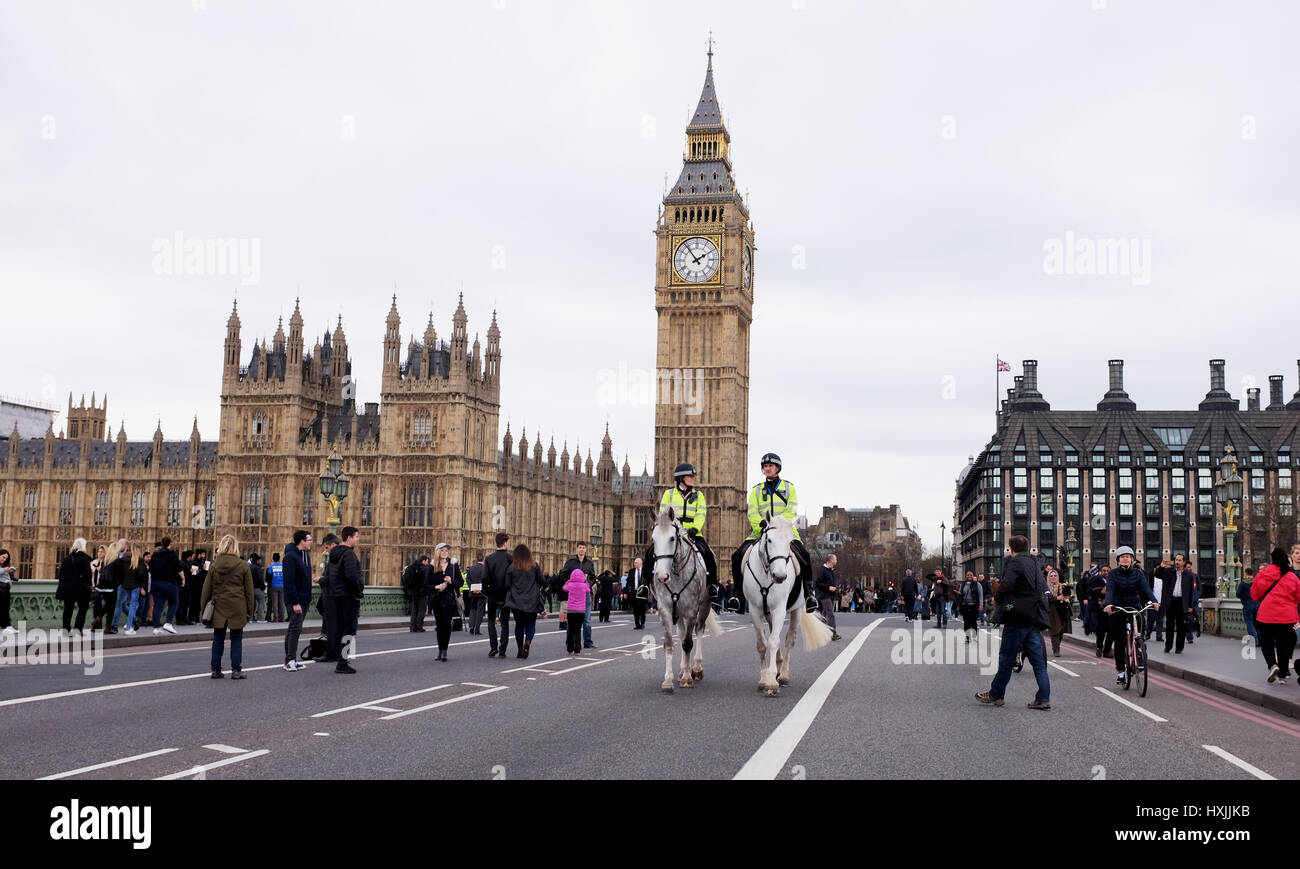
[
  {"x": 1249, "y": 610},
  {"x": 941, "y": 615},
  {"x": 1013, "y": 638},
  {"x": 127, "y": 600},
  {"x": 236, "y": 648},
  {"x": 164, "y": 592},
  {"x": 586, "y": 623}
]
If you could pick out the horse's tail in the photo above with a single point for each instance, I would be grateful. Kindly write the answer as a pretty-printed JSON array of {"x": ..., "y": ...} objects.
[
  {"x": 711, "y": 624},
  {"x": 816, "y": 633}
]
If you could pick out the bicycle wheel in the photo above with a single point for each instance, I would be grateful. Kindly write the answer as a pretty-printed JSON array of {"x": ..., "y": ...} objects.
[
  {"x": 1141, "y": 664},
  {"x": 1129, "y": 664}
]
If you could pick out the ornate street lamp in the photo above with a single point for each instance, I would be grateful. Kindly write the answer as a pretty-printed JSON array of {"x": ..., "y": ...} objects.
[
  {"x": 595, "y": 541},
  {"x": 334, "y": 487},
  {"x": 942, "y": 546},
  {"x": 1229, "y": 490},
  {"x": 1071, "y": 549}
]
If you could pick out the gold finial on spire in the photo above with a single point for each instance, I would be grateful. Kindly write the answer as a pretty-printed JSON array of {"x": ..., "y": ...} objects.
[{"x": 710, "y": 46}]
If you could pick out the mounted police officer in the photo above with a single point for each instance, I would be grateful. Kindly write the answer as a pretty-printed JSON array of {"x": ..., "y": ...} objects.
[
  {"x": 690, "y": 508},
  {"x": 774, "y": 497}
]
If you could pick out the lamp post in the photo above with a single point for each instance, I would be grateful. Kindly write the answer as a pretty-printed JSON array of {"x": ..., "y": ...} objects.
[
  {"x": 1229, "y": 490},
  {"x": 1071, "y": 550},
  {"x": 942, "y": 545},
  {"x": 334, "y": 486},
  {"x": 595, "y": 541}
]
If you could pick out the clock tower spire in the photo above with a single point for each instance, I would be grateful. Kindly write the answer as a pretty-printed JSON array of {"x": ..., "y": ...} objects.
[{"x": 704, "y": 300}]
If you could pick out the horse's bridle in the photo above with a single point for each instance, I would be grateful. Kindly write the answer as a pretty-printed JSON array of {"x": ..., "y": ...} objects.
[
  {"x": 767, "y": 554},
  {"x": 677, "y": 543}
]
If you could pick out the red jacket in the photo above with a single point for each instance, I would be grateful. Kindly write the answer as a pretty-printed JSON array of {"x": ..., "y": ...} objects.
[{"x": 1279, "y": 608}]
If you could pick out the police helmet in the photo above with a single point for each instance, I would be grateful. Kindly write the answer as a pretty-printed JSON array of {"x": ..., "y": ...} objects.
[{"x": 770, "y": 457}]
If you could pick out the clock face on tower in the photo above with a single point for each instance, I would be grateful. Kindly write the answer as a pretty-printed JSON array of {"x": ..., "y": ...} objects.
[
  {"x": 748, "y": 269},
  {"x": 696, "y": 260}
]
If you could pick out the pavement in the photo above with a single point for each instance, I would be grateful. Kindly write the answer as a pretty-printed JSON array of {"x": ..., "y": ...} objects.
[{"x": 153, "y": 712}]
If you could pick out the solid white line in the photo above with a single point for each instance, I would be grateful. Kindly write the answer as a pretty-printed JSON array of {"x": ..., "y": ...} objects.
[
  {"x": 318, "y": 733},
  {"x": 379, "y": 708},
  {"x": 1132, "y": 706},
  {"x": 477, "y": 685},
  {"x": 227, "y": 749},
  {"x": 1062, "y": 669},
  {"x": 579, "y": 667},
  {"x": 442, "y": 703},
  {"x": 195, "y": 770},
  {"x": 771, "y": 756},
  {"x": 106, "y": 764},
  {"x": 531, "y": 666},
  {"x": 380, "y": 700},
  {"x": 741, "y": 628},
  {"x": 1238, "y": 762}
]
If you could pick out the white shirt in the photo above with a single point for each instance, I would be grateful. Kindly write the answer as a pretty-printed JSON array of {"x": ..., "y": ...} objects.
[{"x": 1178, "y": 584}]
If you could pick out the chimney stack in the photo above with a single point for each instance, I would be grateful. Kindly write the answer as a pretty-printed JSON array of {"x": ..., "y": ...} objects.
[
  {"x": 1252, "y": 398},
  {"x": 1218, "y": 398},
  {"x": 1116, "y": 398},
  {"x": 1116, "y": 375},
  {"x": 1216, "y": 375},
  {"x": 1275, "y": 392},
  {"x": 1031, "y": 375}
]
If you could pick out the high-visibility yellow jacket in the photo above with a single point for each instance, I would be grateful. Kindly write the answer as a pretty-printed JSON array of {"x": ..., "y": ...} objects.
[
  {"x": 766, "y": 500},
  {"x": 690, "y": 508}
]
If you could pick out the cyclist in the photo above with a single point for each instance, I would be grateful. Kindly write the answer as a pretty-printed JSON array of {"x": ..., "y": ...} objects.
[{"x": 1126, "y": 586}]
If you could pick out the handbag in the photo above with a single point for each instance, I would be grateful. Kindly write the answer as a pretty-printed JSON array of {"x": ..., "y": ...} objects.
[{"x": 208, "y": 612}]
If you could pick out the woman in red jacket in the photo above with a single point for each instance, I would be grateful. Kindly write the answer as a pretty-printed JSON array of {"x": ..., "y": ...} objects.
[{"x": 1278, "y": 591}]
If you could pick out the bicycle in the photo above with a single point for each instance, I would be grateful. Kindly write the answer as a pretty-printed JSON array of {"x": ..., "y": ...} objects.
[{"x": 1137, "y": 648}]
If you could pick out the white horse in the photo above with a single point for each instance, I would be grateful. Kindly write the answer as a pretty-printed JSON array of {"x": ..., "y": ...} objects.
[
  {"x": 681, "y": 591},
  {"x": 771, "y": 585}
]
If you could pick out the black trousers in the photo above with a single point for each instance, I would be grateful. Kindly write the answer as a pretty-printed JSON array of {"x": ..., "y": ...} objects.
[
  {"x": 418, "y": 610},
  {"x": 495, "y": 607},
  {"x": 1119, "y": 636},
  {"x": 183, "y": 601},
  {"x": 443, "y": 616},
  {"x": 344, "y": 625},
  {"x": 105, "y": 603},
  {"x": 1277, "y": 642},
  {"x": 1104, "y": 636},
  {"x": 293, "y": 633},
  {"x": 604, "y": 608},
  {"x": 638, "y": 611},
  {"x": 573, "y": 639},
  {"x": 80, "y": 603},
  {"x": 968, "y": 617},
  {"x": 909, "y": 604},
  {"x": 329, "y": 615},
  {"x": 474, "y": 612},
  {"x": 4, "y": 606},
  {"x": 1176, "y": 618}
]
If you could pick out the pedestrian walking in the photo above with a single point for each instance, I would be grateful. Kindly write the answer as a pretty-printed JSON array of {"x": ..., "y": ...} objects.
[
  {"x": 275, "y": 604},
  {"x": 939, "y": 598},
  {"x": 972, "y": 604},
  {"x": 130, "y": 587},
  {"x": 75, "y": 582},
  {"x": 909, "y": 589},
  {"x": 166, "y": 576},
  {"x": 523, "y": 597},
  {"x": 580, "y": 561},
  {"x": 443, "y": 585},
  {"x": 1059, "y": 613},
  {"x": 343, "y": 579},
  {"x": 326, "y": 606},
  {"x": 1096, "y": 586},
  {"x": 229, "y": 587},
  {"x": 605, "y": 594},
  {"x": 1178, "y": 586},
  {"x": 103, "y": 590},
  {"x": 576, "y": 587},
  {"x": 1022, "y": 595},
  {"x": 827, "y": 587},
  {"x": 413, "y": 580},
  {"x": 1157, "y": 626},
  {"x": 636, "y": 597},
  {"x": 1249, "y": 606},
  {"x": 259, "y": 585},
  {"x": 8, "y": 576},
  {"x": 496, "y": 568},
  {"x": 1278, "y": 591},
  {"x": 477, "y": 606},
  {"x": 297, "y": 592}
]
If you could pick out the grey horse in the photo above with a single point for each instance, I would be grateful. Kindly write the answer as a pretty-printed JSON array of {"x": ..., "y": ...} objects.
[{"x": 681, "y": 591}]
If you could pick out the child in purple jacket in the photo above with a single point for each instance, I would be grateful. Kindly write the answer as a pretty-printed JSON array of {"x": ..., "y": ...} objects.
[{"x": 577, "y": 590}]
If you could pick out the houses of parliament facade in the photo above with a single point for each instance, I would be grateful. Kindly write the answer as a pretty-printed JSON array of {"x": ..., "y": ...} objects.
[{"x": 428, "y": 462}]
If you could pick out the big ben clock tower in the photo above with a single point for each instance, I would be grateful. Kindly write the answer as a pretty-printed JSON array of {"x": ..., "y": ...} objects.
[{"x": 704, "y": 296}]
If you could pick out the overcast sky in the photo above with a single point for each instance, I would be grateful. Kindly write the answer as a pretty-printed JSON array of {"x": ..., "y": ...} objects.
[{"x": 923, "y": 161}]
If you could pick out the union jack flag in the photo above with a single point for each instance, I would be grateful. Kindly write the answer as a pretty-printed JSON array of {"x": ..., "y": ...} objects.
[{"x": 1003, "y": 366}]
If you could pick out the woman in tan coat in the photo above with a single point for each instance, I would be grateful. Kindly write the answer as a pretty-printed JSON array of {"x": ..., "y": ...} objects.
[
  {"x": 229, "y": 587},
  {"x": 1058, "y": 611}
]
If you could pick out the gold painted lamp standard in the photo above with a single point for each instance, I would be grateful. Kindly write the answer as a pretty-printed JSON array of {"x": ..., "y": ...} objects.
[
  {"x": 334, "y": 486},
  {"x": 1071, "y": 549},
  {"x": 1229, "y": 490},
  {"x": 595, "y": 542}
]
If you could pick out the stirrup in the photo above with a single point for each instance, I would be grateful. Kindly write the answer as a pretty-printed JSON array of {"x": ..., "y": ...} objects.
[
  {"x": 733, "y": 605},
  {"x": 715, "y": 592},
  {"x": 810, "y": 605}
]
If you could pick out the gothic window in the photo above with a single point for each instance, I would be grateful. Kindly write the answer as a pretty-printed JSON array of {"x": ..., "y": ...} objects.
[
  {"x": 257, "y": 499},
  {"x": 31, "y": 500},
  {"x": 101, "y": 507},
  {"x": 419, "y": 505},
  {"x": 65, "y": 506},
  {"x": 26, "y": 557},
  {"x": 210, "y": 508},
  {"x": 258, "y": 433},
  {"x": 138, "y": 502},
  {"x": 174, "y": 507},
  {"x": 422, "y": 427},
  {"x": 308, "y": 503},
  {"x": 363, "y": 556},
  {"x": 642, "y": 529},
  {"x": 367, "y": 505}
]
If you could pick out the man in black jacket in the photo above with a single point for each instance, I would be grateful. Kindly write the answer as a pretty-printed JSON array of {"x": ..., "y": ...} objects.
[
  {"x": 1022, "y": 597},
  {"x": 166, "y": 575},
  {"x": 583, "y": 563},
  {"x": 827, "y": 587},
  {"x": 637, "y": 601},
  {"x": 495, "y": 567},
  {"x": 413, "y": 584},
  {"x": 909, "y": 589},
  {"x": 297, "y": 593},
  {"x": 1176, "y": 600},
  {"x": 343, "y": 574},
  {"x": 328, "y": 611},
  {"x": 476, "y": 604}
]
